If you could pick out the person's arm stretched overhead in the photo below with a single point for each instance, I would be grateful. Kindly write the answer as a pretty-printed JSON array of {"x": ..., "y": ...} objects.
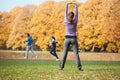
[
  {"x": 66, "y": 13},
  {"x": 76, "y": 13}
]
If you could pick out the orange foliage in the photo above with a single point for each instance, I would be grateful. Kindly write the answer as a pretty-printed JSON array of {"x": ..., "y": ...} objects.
[{"x": 98, "y": 28}]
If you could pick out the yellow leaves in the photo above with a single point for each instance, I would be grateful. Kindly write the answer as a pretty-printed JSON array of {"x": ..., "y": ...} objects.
[
  {"x": 118, "y": 46},
  {"x": 111, "y": 47},
  {"x": 98, "y": 24}
]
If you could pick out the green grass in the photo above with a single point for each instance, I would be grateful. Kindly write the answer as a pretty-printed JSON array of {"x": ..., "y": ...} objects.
[{"x": 48, "y": 70}]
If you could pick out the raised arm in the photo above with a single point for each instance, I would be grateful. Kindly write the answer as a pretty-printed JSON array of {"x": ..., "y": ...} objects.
[
  {"x": 76, "y": 12},
  {"x": 66, "y": 13}
]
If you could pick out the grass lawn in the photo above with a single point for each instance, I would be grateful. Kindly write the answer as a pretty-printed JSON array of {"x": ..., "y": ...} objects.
[{"x": 48, "y": 70}]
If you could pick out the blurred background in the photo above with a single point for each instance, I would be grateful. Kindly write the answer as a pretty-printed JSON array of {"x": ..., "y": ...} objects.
[{"x": 98, "y": 28}]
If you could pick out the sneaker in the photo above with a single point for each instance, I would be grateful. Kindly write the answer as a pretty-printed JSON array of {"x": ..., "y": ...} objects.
[
  {"x": 80, "y": 69},
  {"x": 60, "y": 68},
  {"x": 57, "y": 59},
  {"x": 25, "y": 58},
  {"x": 36, "y": 57}
]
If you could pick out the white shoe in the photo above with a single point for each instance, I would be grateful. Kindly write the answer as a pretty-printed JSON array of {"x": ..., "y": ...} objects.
[
  {"x": 36, "y": 57},
  {"x": 25, "y": 58},
  {"x": 57, "y": 59}
]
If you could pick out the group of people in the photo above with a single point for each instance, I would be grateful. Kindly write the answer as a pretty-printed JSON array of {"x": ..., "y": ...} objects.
[
  {"x": 70, "y": 20},
  {"x": 29, "y": 41}
]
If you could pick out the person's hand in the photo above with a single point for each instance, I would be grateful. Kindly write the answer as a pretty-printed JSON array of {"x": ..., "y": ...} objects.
[
  {"x": 69, "y": 3},
  {"x": 74, "y": 3},
  {"x": 50, "y": 45}
]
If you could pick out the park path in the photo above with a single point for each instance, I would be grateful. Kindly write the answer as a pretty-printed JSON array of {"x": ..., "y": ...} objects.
[{"x": 45, "y": 55}]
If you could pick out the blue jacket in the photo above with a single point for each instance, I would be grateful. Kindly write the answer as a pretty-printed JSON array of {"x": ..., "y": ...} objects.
[
  {"x": 54, "y": 43},
  {"x": 29, "y": 41}
]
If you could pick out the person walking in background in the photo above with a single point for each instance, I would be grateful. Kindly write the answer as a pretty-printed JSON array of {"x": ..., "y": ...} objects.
[
  {"x": 29, "y": 47},
  {"x": 71, "y": 38},
  {"x": 53, "y": 49}
]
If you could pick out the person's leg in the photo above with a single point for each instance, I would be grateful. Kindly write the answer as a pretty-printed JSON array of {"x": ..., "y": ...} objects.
[
  {"x": 55, "y": 54},
  {"x": 51, "y": 51},
  {"x": 27, "y": 52},
  {"x": 76, "y": 54},
  {"x": 65, "y": 52},
  {"x": 33, "y": 52}
]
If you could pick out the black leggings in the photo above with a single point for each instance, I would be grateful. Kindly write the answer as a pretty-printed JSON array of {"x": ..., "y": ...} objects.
[{"x": 53, "y": 52}]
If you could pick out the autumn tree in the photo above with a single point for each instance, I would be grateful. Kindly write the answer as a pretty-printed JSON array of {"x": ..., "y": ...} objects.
[
  {"x": 98, "y": 28},
  {"x": 20, "y": 26},
  {"x": 5, "y": 28},
  {"x": 95, "y": 23}
]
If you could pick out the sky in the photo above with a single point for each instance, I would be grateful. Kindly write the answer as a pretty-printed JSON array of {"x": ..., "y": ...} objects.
[{"x": 7, "y": 5}]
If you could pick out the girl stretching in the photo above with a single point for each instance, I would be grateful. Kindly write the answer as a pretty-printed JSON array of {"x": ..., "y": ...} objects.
[{"x": 71, "y": 38}]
